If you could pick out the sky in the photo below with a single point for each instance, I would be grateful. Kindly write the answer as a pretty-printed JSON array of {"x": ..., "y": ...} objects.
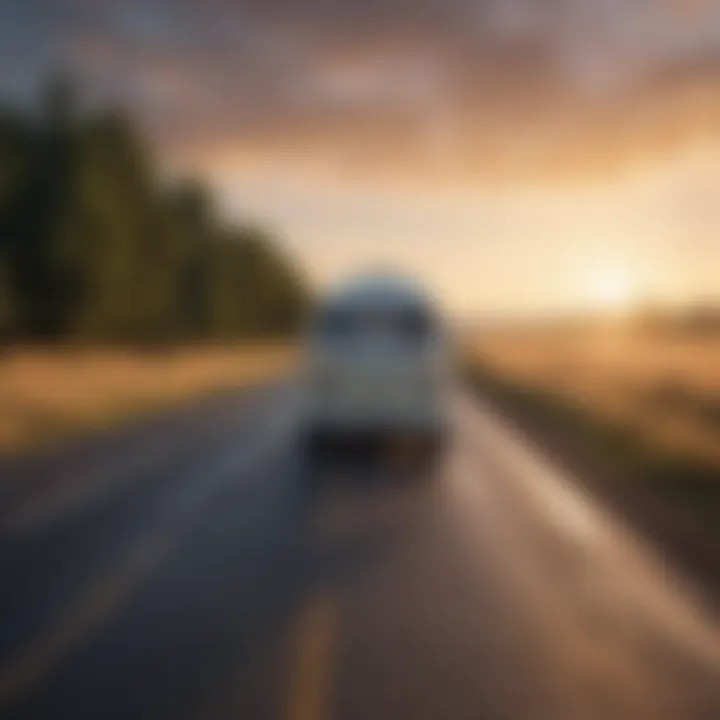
[{"x": 519, "y": 156}]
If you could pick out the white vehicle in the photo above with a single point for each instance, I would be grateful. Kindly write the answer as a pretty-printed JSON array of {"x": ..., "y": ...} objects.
[{"x": 377, "y": 364}]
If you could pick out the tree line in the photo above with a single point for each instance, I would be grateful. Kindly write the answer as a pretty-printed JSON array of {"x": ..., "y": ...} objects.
[{"x": 94, "y": 247}]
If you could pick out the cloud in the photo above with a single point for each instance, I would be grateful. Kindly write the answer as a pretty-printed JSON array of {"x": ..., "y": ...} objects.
[{"x": 499, "y": 89}]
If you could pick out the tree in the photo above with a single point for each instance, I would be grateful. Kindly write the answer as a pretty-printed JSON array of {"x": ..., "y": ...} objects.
[{"x": 94, "y": 248}]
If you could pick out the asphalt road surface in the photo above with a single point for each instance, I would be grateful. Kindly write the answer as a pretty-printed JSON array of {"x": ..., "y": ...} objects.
[{"x": 192, "y": 568}]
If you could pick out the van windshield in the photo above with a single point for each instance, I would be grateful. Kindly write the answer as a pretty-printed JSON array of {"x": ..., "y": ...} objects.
[{"x": 353, "y": 324}]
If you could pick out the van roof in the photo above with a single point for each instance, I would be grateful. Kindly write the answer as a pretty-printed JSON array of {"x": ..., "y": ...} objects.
[{"x": 378, "y": 290}]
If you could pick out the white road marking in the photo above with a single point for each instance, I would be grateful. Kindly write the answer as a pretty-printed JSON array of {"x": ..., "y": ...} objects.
[
  {"x": 102, "y": 481},
  {"x": 624, "y": 568},
  {"x": 554, "y": 491}
]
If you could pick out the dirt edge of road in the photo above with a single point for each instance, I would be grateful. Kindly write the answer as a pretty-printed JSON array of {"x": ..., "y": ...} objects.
[
  {"x": 674, "y": 501},
  {"x": 53, "y": 395}
]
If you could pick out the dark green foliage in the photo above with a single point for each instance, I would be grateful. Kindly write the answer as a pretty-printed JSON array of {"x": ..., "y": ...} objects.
[{"x": 94, "y": 248}]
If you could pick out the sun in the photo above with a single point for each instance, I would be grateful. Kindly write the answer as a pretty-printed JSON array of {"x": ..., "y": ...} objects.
[{"x": 610, "y": 289}]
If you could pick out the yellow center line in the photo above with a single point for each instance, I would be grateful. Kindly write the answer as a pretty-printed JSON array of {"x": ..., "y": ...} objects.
[
  {"x": 95, "y": 606},
  {"x": 309, "y": 682}
]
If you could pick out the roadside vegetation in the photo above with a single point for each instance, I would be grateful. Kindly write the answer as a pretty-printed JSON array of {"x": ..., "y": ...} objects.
[
  {"x": 122, "y": 291},
  {"x": 96, "y": 248},
  {"x": 52, "y": 394},
  {"x": 640, "y": 403}
]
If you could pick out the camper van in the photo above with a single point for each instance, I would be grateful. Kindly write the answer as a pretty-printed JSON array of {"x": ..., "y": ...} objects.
[{"x": 376, "y": 365}]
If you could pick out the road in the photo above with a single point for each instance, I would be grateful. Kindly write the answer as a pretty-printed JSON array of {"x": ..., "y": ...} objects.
[{"x": 189, "y": 569}]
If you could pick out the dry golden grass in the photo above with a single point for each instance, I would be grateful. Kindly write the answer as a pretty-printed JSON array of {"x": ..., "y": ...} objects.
[
  {"x": 46, "y": 393},
  {"x": 667, "y": 387}
]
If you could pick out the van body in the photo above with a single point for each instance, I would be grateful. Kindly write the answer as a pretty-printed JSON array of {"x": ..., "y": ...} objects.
[{"x": 376, "y": 364}]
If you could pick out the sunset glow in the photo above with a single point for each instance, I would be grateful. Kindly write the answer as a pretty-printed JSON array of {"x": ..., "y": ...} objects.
[
  {"x": 491, "y": 150},
  {"x": 610, "y": 289}
]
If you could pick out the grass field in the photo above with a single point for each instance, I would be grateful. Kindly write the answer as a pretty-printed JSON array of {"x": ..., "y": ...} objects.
[
  {"x": 646, "y": 407},
  {"x": 664, "y": 387},
  {"x": 46, "y": 394}
]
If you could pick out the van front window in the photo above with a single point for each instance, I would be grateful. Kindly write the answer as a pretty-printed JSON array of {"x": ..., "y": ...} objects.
[{"x": 408, "y": 325}]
